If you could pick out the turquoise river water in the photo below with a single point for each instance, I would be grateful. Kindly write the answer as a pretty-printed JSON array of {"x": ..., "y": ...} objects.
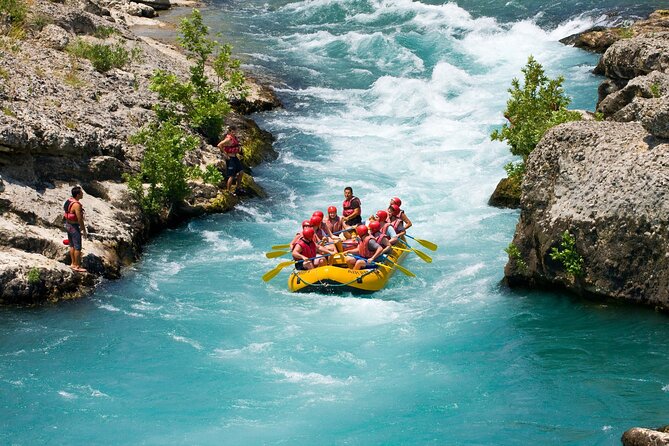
[{"x": 394, "y": 98}]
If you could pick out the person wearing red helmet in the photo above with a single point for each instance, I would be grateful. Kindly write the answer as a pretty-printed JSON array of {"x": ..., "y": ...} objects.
[
  {"x": 322, "y": 230},
  {"x": 387, "y": 229},
  {"x": 396, "y": 220},
  {"x": 351, "y": 208},
  {"x": 305, "y": 224},
  {"x": 403, "y": 215},
  {"x": 375, "y": 230},
  {"x": 306, "y": 249},
  {"x": 334, "y": 222},
  {"x": 368, "y": 249}
]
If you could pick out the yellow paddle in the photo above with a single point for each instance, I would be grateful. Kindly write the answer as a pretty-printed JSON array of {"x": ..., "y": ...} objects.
[
  {"x": 275, "y": 254},
  {"x": 428, "y": 244},
  {"x": 286, "y": 246},
  {"x": 420, "y": 254},
  {"x": 396, "y": 265},
  {"x": 271, "y": 274}
]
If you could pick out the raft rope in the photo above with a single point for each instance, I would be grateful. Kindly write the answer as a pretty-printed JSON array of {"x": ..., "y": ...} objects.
[{"x": 327, "y": 285}]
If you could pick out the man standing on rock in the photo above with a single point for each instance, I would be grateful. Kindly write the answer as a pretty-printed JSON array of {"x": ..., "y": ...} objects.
[
  {"x": 74, "y": 225},
  {"x": 231, "y": 151}
]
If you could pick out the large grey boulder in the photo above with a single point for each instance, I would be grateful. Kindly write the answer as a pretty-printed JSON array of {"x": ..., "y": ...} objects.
[
  {"x": 630, "y": 58},
  {"x": 158, "y": 5},
  {"x": 646, "y": 437},
  {"x": 606, "y": 184},
  {"x": 624, "y": 104},
  {"x": 54, "y": 37}
]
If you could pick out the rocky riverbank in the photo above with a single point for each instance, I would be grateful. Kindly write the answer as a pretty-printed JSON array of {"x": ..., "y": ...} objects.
[
  {"x": 604, "y": 182},
  {"x": 63, "y": 123}
]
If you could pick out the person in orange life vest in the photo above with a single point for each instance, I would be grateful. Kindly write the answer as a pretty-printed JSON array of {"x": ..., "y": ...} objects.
[
  {"x": 305, "y": 224},
  {"x": 367, "y": 248},
  {"x": 396, "y": 221},
  {"x": 381, "y": 238},
  {"x": 232, "y": 149},
  {"x": 75, "y": 227},
  {"x": 351, "y": 208},
  {"x": 306, "y": 249},
  {"x": 403, "y": 215}
]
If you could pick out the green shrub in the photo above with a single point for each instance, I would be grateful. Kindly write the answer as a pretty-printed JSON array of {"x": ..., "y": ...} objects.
[
  {"x": 103, "y": 57},
  {"x": 103, "y": 32},
  {"x": 539, "y": 104},
  {"x": 162, "y": 166},
  {"x": 568, "y": 256},
  {"x": 13, "y": 12},
  {"x": 515, "y": 255},
  {"x": 599, "y": 116},
  {"x": 200, "y": 102},
  {"x": 33, "y": 276},
  {"x": 655, "y": 90}
]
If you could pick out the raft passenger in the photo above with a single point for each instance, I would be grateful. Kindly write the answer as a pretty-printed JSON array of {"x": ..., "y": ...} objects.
[
  {"x": 368, "y": 249},
  {"x": 403, "y": 215},
  {"x": 351, "y": 208},
  {"x": 306, "y": 249}
]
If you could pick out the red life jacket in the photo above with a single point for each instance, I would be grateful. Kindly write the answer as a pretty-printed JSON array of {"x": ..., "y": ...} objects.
[
  {"x": 67, "y": 207},
  {"x": 363, "y": 247},
  {"x": 235, "y": 148},
  {"x": 398, "y": 225},
  {"x": 308, "y": 247},
  {"x": 338, "y": 224},
  {"x": 379, "y": 236},
  {"x": 348, "y": 210}
]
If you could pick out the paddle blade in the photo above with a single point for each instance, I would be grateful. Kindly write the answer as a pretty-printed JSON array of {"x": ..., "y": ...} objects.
[
  {"x": 275, "y": 254},
  {"x": 286, "y": 246},
  {"x": 404, "y": 270},
  {"x": 423, "y": 256},
  {"x": 271, "y": 274},
  {"x": 428, "y": 244}
]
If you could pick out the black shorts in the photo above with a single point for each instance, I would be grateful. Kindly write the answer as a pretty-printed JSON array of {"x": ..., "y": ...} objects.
[
  {"x": 355, "y": 221},
  {"x": 299, "y": 265},
  {"x": 233, "y": 166}
]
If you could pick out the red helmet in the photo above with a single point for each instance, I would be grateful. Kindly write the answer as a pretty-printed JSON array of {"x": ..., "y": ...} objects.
[
  {"x": 308, "y": 233},
  {"x": 361, "y": 230},
  {"x": 383, "y": 215},
  {"x": 374, "y": 226},
  {"x": 332, "y": 209},
  {"x": 394, "y": 209},
  {"x": 396, "y": 201},
  {"x": 316, "y": 221},
  {"x": 306, "y": 223},
  {"x": 319, "y": 213}
]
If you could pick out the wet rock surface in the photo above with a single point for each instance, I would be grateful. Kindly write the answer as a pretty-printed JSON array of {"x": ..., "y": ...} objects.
[{"x": 63, "y": 123}]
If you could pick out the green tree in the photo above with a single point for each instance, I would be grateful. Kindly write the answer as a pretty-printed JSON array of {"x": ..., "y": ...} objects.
[
  {"x": 536, "y": 106},
  {"x": 162, "y": 166},
  {"x": 200, "y": 101}
]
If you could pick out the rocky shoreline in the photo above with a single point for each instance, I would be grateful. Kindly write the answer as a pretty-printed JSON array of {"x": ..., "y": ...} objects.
[
  {"x": 594, "y": 216},
  {"x": 64, "y": 123}
]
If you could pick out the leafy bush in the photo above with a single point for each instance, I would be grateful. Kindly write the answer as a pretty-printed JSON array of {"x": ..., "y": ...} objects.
[
  {"x": 199, "y": 102},
  {"x": 515, "y": 255},
  {"x": 102, "y": 32},
  {"x": 33, "y": 276},
  {"x": 539, "y": 104},
  {"x": 568, "y": 256},
  {"x": 210, "y": 174},
  {"x": 162, "y": 166},
  {"x": 103, "y": 57}
]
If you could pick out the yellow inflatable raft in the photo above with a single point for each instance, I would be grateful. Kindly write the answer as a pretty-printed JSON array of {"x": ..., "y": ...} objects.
[{"x": 338, "y": 277}]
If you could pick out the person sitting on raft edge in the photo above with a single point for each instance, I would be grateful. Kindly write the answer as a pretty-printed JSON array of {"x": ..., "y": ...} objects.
[
  {"x": 368, "y": 250},
  {"x": 351, "y": 208},
  {"x": 403, "y": 215},
  {"x": 232, "y": 149},
  {"x": 306, "y": 249}
]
